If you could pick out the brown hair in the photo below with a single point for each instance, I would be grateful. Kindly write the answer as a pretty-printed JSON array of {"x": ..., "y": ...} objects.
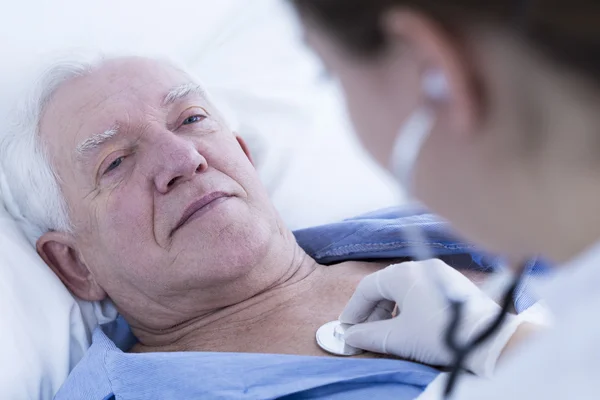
[{"x": 566, "y": 30}]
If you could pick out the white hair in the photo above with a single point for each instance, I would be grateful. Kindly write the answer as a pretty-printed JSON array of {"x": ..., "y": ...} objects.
[{"x": 29, "y": 184}]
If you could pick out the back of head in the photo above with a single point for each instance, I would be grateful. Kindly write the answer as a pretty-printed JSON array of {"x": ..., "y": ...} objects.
[{"x": 569, "y": 32}]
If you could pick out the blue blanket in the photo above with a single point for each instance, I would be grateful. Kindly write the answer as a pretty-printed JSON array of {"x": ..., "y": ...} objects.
[{"x": 108, "y": 372}]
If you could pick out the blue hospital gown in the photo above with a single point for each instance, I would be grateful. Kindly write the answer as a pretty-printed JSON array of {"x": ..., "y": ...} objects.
[{"x": 106, "y": 371}]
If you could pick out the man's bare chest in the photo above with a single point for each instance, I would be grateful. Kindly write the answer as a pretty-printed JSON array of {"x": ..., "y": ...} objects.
[{"x": 292, "y": 329}]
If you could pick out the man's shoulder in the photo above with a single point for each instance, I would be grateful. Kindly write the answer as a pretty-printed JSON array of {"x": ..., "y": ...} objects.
[
  {"x": 382, "y": 234},
  {"x": 90, "y": 378}
]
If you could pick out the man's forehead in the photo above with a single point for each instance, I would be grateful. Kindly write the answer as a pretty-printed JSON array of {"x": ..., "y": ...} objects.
[
  {"x": 147, "y": 79},
  {"x": 151, "y": 80},
  {"x": 92, "y": 104}
]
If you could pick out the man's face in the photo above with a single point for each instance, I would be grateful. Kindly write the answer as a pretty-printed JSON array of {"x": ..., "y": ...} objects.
[{"x": 162, "y": 196}]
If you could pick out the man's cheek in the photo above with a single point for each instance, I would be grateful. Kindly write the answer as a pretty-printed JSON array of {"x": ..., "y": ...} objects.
[{"x": 125, "y": 216}]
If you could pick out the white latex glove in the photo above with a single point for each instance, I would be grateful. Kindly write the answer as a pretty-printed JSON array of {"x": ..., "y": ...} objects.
[{"x": 417, "y": 332}]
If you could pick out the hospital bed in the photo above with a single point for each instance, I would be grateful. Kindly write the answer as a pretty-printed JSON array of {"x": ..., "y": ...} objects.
[{"x": 291, "y": 117}]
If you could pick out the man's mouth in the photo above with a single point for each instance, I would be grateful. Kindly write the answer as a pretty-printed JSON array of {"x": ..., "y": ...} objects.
[{"x": 200, "y": 207}]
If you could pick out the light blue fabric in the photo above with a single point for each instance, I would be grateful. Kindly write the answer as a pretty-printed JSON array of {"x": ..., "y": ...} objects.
[{"x": 107, "y": 370}]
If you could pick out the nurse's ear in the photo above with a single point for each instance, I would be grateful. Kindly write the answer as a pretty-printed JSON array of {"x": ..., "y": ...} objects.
[{"x": 447, "y": 80}]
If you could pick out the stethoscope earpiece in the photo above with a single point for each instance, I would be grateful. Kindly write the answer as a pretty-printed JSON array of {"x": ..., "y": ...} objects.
[{"x": 435, "y": 85}]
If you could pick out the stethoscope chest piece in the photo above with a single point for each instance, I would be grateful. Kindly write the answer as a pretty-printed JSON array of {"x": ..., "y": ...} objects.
[{"x": 330, "y": 337}]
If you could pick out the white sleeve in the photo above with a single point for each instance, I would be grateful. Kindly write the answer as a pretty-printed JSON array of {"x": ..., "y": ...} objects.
[{"x": 561, "y": 363}]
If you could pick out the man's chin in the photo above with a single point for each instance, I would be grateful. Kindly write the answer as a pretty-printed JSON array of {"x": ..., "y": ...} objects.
[
  {"x": 231, "y": 234},
  {"x": 230, "y": 226}
]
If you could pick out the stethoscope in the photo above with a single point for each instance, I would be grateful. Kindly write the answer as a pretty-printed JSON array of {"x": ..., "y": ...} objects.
[
  {"x": 461, "y": 351},
  {"x": 330, "y": 336}
]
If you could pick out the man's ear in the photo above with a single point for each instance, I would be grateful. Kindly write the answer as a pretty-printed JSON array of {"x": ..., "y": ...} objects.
[
  {"x": 244, "y": 147},
  {"x": 58, "y": 251}
]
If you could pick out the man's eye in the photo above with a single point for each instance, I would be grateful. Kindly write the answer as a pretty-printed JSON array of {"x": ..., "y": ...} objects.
[
  {"x": 115, "y": 164},
  {"x": 193, "y": 119}
]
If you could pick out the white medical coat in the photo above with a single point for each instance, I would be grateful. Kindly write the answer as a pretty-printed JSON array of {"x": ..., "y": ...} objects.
[{"x": 561, "y": 363}]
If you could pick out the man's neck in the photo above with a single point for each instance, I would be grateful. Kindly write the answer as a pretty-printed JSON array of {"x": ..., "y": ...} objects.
[{"x": 296, "y": 273}]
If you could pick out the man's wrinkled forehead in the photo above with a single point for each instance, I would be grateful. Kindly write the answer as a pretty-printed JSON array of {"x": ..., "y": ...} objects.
[
  {"x": 148, "y": 79},
  {"x": 86, "y": 109}
]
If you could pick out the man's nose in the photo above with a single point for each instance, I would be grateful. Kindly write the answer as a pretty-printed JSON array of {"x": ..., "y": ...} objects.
[{"x": 179, "y": 162}]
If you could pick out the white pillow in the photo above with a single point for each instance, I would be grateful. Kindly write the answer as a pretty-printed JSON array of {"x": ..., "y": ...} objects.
[
  {"x": 42, "y": 334},
  {"x": 251, "y": 57}
]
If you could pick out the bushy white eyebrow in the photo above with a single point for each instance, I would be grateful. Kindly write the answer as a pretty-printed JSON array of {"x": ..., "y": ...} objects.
[
  {"x": 183, "y": 90},
  {"x": 95, "y": 141}
]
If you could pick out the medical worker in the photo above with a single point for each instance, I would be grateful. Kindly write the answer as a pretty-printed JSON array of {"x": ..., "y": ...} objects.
[{"x": 489, "y": 113}]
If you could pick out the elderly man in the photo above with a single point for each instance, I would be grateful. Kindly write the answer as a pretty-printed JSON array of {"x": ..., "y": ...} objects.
[
  {"x": 163, "y": 212},
  {"x": 168, "y": 218}
]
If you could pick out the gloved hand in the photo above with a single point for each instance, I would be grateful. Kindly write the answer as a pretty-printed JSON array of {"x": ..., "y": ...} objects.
[{"x": 417, "y": 332}]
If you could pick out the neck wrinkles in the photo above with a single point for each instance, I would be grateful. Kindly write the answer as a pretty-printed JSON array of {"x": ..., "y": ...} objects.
[{"x": 299, "y": 273}]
